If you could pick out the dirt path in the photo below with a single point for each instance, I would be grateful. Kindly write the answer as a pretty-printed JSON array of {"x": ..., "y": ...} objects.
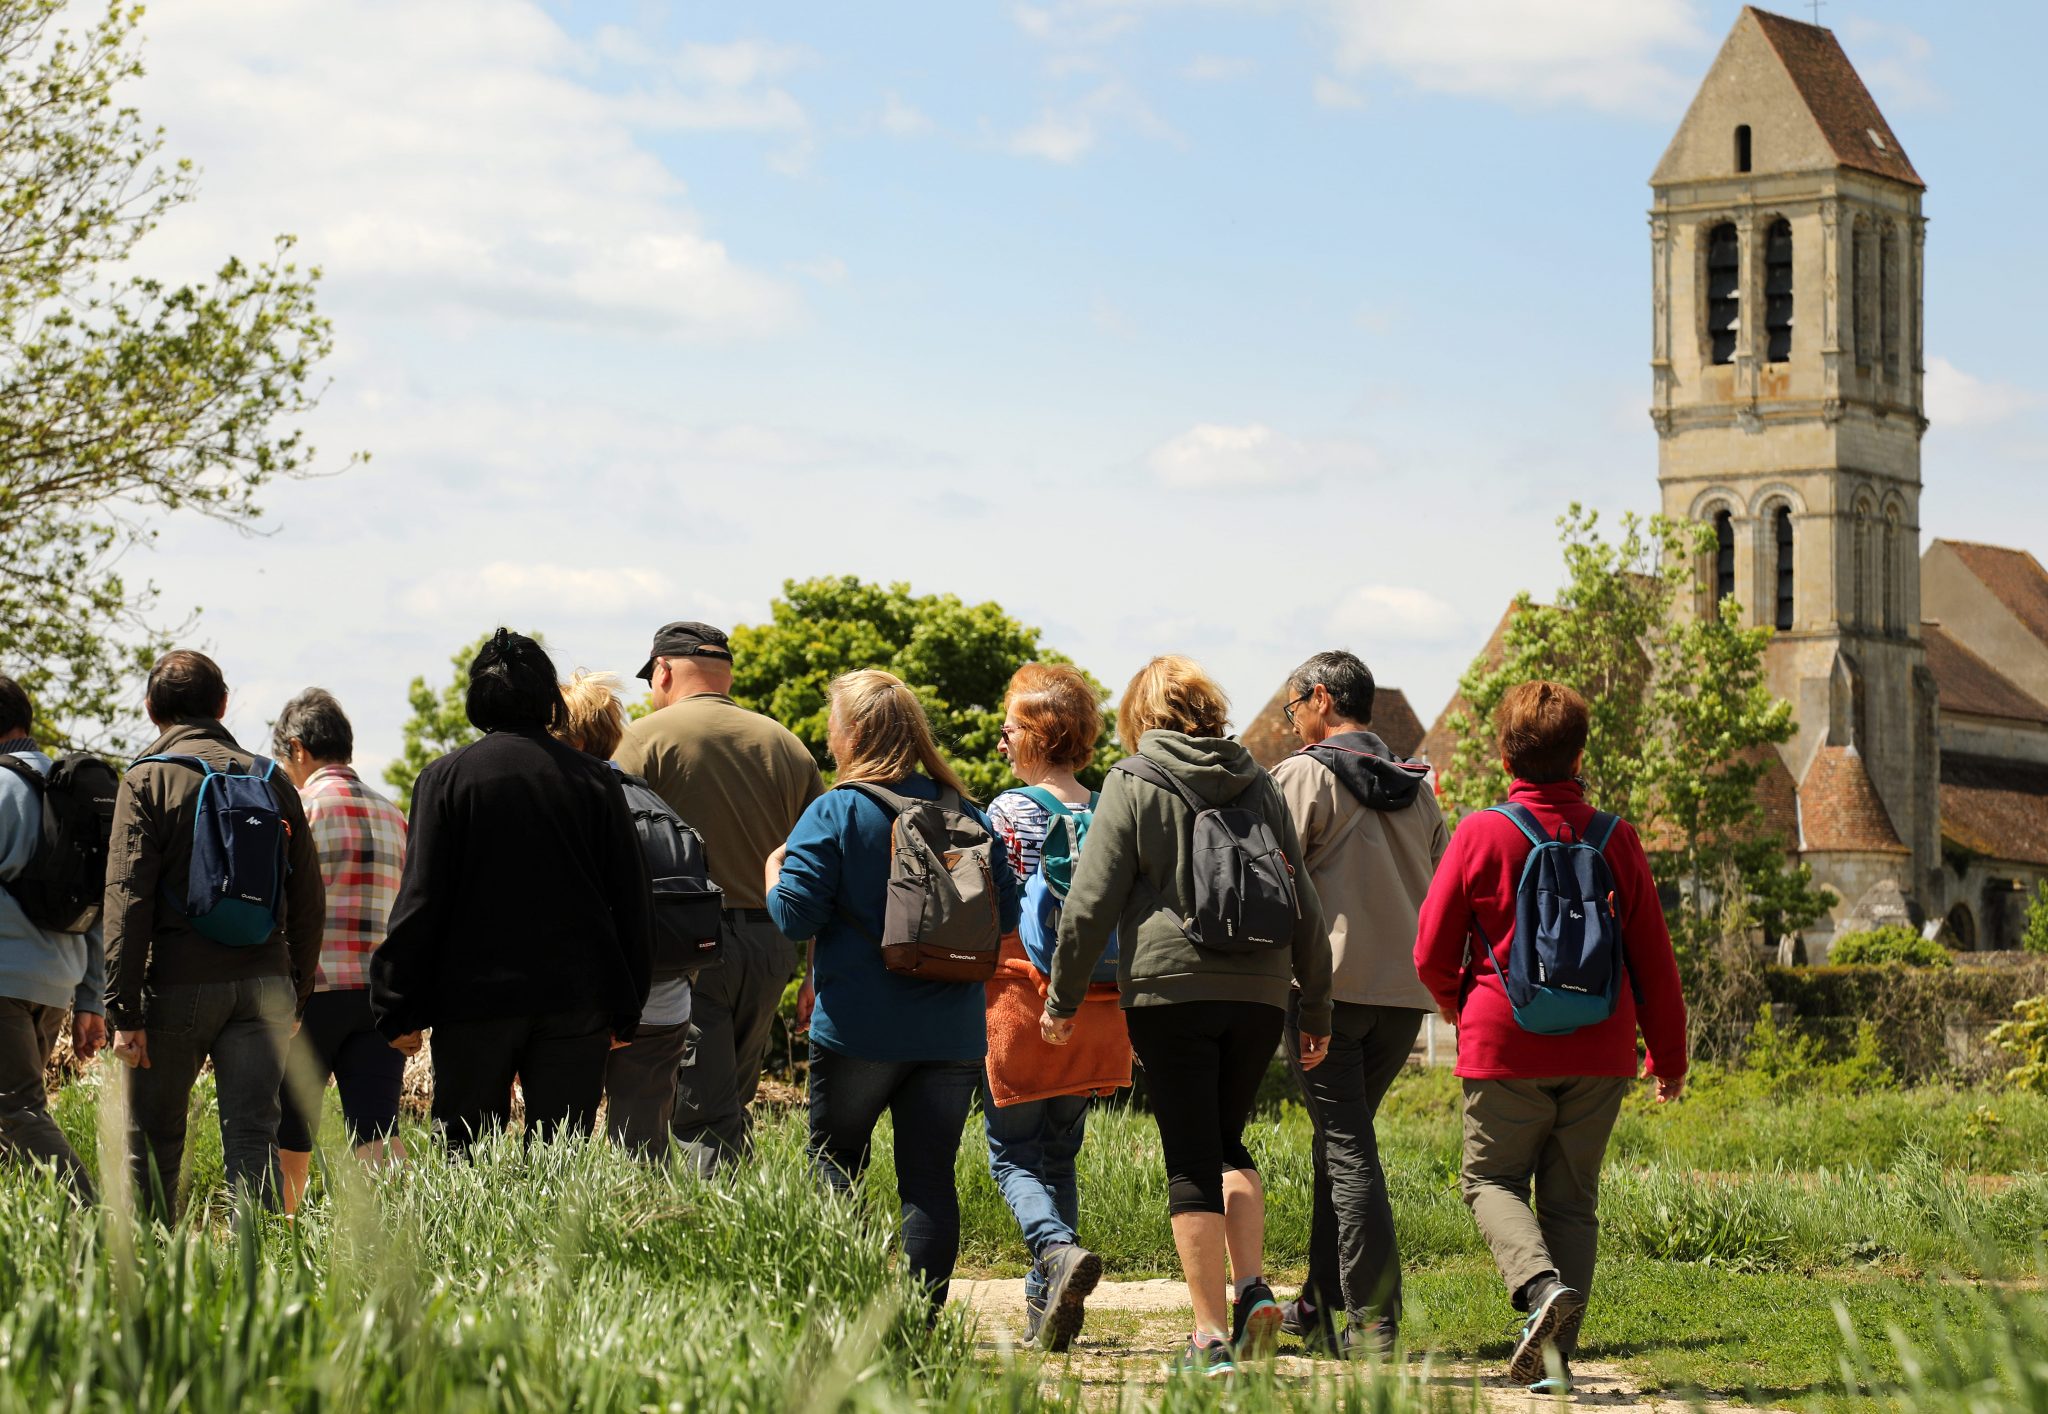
[{"x": 1135, "y": 1327}]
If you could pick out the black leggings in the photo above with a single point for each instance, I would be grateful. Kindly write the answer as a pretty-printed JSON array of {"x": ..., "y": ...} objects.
[
  {"x": 337, "y": 1037},
  {"x": 1203, "y": 1064}
]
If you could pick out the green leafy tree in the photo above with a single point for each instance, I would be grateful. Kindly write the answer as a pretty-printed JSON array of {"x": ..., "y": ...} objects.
[
  {"x": 439, "y": 722},
  {"x": 957, "y": 657},
  {"x": 121, "y": 398},
  {"x": 1682, "y": 720},
  {"x": 2034, "y": 936},
  {"x": 2025, "y": 1037}
]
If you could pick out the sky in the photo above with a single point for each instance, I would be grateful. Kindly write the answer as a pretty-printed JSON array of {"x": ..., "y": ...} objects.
[{"x": 1238, "y": 328}]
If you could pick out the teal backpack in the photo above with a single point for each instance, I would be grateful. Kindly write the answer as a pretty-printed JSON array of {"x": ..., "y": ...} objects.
[{"x": 1045, "y": 892}]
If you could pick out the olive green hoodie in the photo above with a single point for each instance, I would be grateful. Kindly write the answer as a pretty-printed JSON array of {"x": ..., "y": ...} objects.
[{"x": 1136, "y": 866}]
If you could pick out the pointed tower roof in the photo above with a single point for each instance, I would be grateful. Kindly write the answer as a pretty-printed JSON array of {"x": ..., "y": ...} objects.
[{"x": 1802, "y": 98}]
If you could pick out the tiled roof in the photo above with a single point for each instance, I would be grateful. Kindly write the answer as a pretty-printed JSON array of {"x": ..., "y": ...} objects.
[
  {"x": 1269, "y": 738},
  {"x": 1848, "y": 116},
  {"x": 1995, "y": 807},
  {"x": 2014, "y": 577},
  {"x": 1972, "y": 686},
  {"x": 1839, "y": 809}
]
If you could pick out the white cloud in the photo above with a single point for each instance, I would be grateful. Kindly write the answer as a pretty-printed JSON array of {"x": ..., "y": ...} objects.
[
  {"x": 1330, "y": 93},
  {"x": 1957, "y": 399},
  {"x": 1056, "y": 136},
  {"x": 1068, "y": 132},
  {"x": 509, "y": 588},
  {"x": 1604, "y": 53},
  {"x": 466, "y": 157},
  {"x": 901, "y": 119},
  {"x": 1073, "y": 22},
  {"x": 1395, "y": 613},
  {"x": 1894, "y": 61},
  {"x": 827, "y": 270},
  {"x": 1217, "y": 68},
  {"x": 1213, "y": 457}
]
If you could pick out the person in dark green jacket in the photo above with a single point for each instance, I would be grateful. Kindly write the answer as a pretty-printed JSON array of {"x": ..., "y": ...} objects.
[{"x": 1204, "y": 1024}]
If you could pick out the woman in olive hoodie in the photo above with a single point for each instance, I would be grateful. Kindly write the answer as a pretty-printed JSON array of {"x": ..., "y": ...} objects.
[{"x": 1204, "y": 1024}]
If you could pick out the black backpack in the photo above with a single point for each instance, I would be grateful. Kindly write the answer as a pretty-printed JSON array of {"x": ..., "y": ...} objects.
[
  {"x": 1244, "y": 884},
  {"x": 688, "y": 907},
  {"x": 61, "y": 887}
]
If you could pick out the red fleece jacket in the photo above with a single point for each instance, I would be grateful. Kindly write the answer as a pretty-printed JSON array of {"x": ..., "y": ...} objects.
[{"x": 1477, "y": 878}]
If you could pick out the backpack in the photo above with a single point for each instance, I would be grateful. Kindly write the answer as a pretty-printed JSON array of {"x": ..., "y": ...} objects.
[
  {"x": 234, "y": 889},
  {"x": 688, "y": 908},
  {"x": 941, "y": 922},
  {"x": 1565, "y": 959},
  {"x": 60, "y": 887},
  {"x": 1045, "y": 892},
  {"x": 1244, "y": 883}
]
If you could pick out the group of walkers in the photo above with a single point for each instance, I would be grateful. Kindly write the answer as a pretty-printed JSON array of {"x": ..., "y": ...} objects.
[{"x": 607, "y": 913}]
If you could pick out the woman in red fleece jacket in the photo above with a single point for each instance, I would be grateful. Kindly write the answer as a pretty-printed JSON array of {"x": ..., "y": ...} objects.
[{"x": 1539, "y": 1109}]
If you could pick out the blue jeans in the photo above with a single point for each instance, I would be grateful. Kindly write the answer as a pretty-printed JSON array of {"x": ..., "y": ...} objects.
[
  {"x": 1031, "y": 1153},
  {"x": 927, "y": 1103},
  {"x": 243, "y": 1028}
]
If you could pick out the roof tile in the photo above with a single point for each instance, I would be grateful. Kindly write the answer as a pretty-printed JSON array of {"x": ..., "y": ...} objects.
[
  {"x": 1995, "y": 807},
  {"x": 1971, "y": 686},
  {"x": 1835, "y": 95},
  {"x": 1840, "y": 810}
]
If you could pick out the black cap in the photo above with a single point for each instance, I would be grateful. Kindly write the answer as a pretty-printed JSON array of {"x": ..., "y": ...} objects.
[{"x": 686, "y": 638}]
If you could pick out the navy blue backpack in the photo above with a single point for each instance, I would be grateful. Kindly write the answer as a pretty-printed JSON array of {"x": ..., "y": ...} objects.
[
  {"x": 234, "y": 891},
  {"x": 1565, "y": 960},
  {"x": 1045, "y": 892}
]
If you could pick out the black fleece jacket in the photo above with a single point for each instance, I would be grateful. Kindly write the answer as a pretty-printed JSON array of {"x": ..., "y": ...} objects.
[{"x": 524, "y": 893}]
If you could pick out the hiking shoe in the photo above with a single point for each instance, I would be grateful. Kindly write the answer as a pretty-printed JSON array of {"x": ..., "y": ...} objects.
[
  {"x": 1547, "y": 1316},
  {"x": 1071, "y": 1272},
  {"x": 1255, "y": 1321},
  {"x": 1557, "y": 1385},
  {"x": 1311, "y": 1326},
  {"x": 1034, "y": 1316},
  {"x": 1208, "y": 1358},
  {"x": 1370, "y": 1339}
]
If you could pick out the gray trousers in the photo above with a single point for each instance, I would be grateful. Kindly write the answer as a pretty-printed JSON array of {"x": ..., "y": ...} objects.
[
  {"x": 28, "y": 1033},
  {"x": 732, "y": 1017},
  {"x": 640, "y": 1089},
  {"x": 1549, "y": 1136},
  {"x": 243, "y": 1027},
  {"x": 1354, "y": 1259}
]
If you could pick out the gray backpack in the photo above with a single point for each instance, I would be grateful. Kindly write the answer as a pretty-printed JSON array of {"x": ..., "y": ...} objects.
[
  {"x": 941, "y": 922},
  {"x": 1244, "y": 884}
]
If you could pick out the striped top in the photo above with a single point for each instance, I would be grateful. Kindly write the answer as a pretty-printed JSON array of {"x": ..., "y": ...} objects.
[
  {"x": 361, "y": 839},
  {"x": 1021, "y": 822}
]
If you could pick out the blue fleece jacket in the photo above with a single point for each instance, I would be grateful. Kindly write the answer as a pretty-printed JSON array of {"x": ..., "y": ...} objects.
[
  {"x": 834, "y": 888},
  {"x": 50, "y": 969}
]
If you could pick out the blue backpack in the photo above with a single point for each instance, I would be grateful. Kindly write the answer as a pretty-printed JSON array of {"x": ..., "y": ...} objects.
[
  {"x": 1045, "y": 892},
  {"x": 1565, "y": 960},
  {"x": 234, "y": 891}
]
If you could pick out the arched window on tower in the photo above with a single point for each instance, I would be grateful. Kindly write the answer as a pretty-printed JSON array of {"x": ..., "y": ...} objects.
[
  {"x": 1781, "y": 528},
  {"x": 1724, "y": 290},
  {"x": 1860, "y": 608},
  {"x": 1888, "y": 298},
  {"x": 1894, "y": 581},
  {"x": 1864, "y": 293},
  {"x": 1778, "y": 292},
  {"x": 1724, "y": 557}
]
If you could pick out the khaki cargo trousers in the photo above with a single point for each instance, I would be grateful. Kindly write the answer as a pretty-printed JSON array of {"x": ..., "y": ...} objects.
[{"x": 1546, "y": 1139}]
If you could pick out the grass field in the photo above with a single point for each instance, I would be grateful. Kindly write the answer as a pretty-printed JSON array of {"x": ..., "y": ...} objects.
[{"x": 1783, "y": 1248}]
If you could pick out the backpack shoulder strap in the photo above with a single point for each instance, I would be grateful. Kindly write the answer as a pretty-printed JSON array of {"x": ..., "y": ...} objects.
[
  {"x": 1523, "y": 821},
  {"x": 1159, "y": 776},
  {"x": 880, "y": 795},
  {"x": 15, "y": 765},
  {"x": 193, "y": 761},
  {"x": 1044, "y": 800},
  {"x": 1600, "y": 829}
]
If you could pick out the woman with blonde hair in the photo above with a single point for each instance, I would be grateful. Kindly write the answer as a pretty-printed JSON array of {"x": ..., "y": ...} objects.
[
  {"x": 882, "y": 1040},
  {"x": 1036, "y": 1095},
  {"x": 1205, "y": 1020},
  {"x": 640, "y": 1076}
]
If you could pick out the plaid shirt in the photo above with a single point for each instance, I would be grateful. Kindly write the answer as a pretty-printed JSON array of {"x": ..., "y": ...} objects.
[{"x": 361, "y": 839}]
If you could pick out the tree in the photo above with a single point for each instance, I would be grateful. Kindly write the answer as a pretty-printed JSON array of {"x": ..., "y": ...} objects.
[
  {"x": 121, "y": 398},
  {"x": 2034, "y": 936},
  {"x": 957, "y": 657},
  {"x": 1682, "y": 721},
  {"x": 439, "y": 722}
]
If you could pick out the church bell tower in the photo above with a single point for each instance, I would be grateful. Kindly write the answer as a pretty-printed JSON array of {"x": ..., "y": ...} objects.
[{"x": 1786, "y": 254}]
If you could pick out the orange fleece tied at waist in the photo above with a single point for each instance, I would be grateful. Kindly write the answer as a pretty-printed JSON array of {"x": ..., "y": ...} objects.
[{"x": 1022, "y": 1066}]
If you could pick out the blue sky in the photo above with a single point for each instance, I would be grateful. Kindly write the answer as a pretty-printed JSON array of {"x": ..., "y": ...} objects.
[{"x": 1236, "y": 329}]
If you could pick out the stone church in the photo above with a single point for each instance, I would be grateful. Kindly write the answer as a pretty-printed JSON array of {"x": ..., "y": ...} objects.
[{"x": 1787, "y": 377}]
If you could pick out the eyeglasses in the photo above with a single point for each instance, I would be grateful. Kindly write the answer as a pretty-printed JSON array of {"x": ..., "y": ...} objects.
[
  {"x": 1288, "y": 709},
  {"x": 1006, "y": 731}
]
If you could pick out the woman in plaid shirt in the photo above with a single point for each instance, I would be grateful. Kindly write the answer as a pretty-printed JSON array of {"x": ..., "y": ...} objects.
[{"x": 361, "y": 839}]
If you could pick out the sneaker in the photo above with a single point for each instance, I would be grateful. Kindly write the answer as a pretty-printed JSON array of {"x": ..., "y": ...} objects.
[
  {"x": 1255, "y": 1320},
  {"x": 1034, "y": 1316},
  {"x": 1071, "y": 1272},
  {"x": 1558, "y": 1385},
  {"x": 1548, "y": 1313},
  {"x": 1365, "y": 1339},
  {"x": 1208, "y": 1358},
  {"x": 1311, "y": 1326}
]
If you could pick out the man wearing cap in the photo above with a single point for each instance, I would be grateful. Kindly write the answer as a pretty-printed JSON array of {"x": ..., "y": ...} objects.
[{"x": 742, "y": 781}]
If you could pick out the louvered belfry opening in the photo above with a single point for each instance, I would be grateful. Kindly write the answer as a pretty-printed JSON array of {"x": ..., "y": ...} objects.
[
  {"x": 1778, "y": 292},
  {"x": 1782, "y": 526},
  {"x": 1724, "y": 290},
  {"x": 1724, "y": 556}
]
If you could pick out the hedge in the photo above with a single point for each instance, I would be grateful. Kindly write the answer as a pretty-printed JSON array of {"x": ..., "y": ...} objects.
[{"x": 1912, "y": 1008}]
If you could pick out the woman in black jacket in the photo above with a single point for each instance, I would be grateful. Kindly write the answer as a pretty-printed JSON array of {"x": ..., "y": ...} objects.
[{"x": 522, "y": 930}]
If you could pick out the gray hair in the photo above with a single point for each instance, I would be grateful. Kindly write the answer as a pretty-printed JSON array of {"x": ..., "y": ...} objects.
[
  {"x": 315, "y": 720},
  {"x": 1348, "y": 680}
]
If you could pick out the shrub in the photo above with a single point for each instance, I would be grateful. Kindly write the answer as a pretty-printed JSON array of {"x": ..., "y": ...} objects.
[
  {"x": 2026, "y": 1036},
  {"x": 1893, "y": 943},
  {"x": 1780, "y": 1060},
  {"x": 2034, "y": 937},
  {"x": 1916, "y": 1011}
]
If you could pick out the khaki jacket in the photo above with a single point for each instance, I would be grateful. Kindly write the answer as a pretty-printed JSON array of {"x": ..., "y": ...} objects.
[{"x": 1371, "y": 869}]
